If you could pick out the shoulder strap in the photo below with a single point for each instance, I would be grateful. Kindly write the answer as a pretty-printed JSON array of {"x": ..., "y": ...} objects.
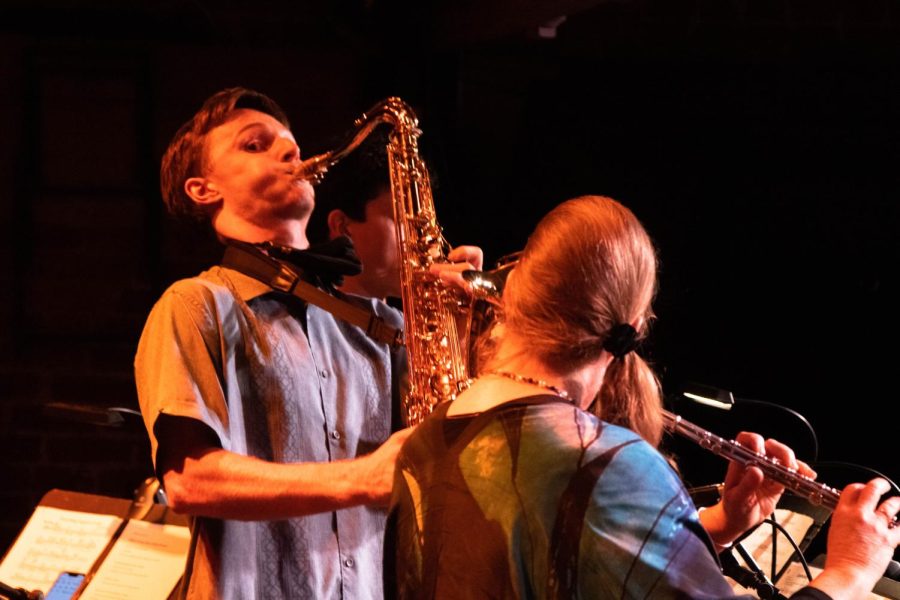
[{"x": 249, "y": 260}]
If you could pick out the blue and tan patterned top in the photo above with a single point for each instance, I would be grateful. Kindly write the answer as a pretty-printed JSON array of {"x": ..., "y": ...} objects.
[{"x": 538, "y": 499}]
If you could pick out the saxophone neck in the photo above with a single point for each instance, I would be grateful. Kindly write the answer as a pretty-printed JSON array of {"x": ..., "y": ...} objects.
[{"x": 391, "y": 111}]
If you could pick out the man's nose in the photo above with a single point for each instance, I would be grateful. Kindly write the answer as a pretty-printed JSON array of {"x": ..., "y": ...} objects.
[{"x": 291, "y": 153}]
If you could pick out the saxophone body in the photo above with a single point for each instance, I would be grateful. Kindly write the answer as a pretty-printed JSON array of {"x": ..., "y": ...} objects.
[{"x": 438, "y": 359}]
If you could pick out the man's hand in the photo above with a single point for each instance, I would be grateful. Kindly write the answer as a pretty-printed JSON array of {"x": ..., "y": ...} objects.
[
  {"x": 462, "y": 258},
  {"x": 377, "y": 468}
]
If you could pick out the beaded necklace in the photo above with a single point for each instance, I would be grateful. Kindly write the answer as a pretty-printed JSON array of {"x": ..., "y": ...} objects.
[{"x": 538, "y": 382}]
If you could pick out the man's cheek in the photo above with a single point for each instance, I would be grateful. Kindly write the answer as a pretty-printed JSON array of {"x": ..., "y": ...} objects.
[{"x": 263, "y": 184}]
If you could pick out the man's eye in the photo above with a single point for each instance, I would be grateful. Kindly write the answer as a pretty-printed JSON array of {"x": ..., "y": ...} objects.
[{"x": 253, "y": 146}]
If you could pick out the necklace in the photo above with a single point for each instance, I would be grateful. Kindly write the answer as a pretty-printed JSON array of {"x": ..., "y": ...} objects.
[{"x": 538, "y": 382}]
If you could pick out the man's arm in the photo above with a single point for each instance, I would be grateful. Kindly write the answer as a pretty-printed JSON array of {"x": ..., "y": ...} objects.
[{"x": 202, "y": 479}]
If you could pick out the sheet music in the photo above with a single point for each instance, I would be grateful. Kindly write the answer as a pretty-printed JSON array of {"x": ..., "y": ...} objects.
[
  {"x": 146, "y": 562},
  {"x": 759, "y": 543},
  {"x": 795, "y": 579},
  {"x": 56, "y": 540}
]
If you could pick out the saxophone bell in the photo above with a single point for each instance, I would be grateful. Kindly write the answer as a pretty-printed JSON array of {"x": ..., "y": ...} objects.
[
  {"x": 488, "y": 285},
  {"x": 486, "y": 304}
]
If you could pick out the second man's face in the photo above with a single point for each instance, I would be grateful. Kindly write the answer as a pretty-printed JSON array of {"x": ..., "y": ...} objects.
[{"x": 375, "y": 241}]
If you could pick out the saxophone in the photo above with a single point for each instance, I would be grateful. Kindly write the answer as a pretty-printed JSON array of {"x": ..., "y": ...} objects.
[{"x": 438, "y": 359}]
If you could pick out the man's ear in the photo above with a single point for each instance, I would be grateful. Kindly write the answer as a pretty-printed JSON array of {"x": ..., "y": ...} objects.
[
  {"x": 202, "y": 191},
  {"x": 337, "y": 224}
]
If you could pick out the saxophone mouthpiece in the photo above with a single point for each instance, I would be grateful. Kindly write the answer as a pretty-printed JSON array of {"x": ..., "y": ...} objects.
[{"x": 313, "y": 169}]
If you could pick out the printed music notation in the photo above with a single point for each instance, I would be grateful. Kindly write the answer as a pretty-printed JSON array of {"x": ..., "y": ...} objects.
[
  {"x": 795, "y": 579},
  {"x": 759, "y": 544},
  {"x": 146, "y": 562},
  {"x": 56, "y": 540}
]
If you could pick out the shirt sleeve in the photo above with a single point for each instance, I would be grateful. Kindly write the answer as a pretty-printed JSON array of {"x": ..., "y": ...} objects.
[
  {"x": 178, "y": 362},
  {"x": 641, "y": 535},
  {"x": 809, "y": 593}
]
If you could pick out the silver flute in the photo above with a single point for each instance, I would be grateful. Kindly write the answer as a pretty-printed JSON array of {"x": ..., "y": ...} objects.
[{"x": 803, "y": 486}]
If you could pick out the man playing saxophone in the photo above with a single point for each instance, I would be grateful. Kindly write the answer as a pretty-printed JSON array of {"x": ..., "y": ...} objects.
[{"x": 269, "y": 419}]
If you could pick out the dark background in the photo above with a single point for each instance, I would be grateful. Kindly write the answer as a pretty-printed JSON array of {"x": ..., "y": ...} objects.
[{"x": 757, "y": 141}]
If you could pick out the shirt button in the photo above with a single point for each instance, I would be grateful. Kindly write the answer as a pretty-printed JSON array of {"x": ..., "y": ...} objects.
[
  {"x": 324, "y": 374},
  {"x": 336, "y": 435},
  {"x": 349, "y": 563}
]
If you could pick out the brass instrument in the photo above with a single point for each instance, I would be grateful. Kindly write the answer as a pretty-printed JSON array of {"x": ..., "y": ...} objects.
[
  {"x": 438, "y": 368},
  {"x": 486, "y": 288},
  {"x": 488, "y": 285}
]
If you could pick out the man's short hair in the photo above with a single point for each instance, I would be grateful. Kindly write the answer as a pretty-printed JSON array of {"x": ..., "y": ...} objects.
[
  {"x": 352, "y": 183},
  {"x": 185, "y": 157}
]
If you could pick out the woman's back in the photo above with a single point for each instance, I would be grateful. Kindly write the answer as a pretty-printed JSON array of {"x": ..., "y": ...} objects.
[{"x": 537, "y": 499}]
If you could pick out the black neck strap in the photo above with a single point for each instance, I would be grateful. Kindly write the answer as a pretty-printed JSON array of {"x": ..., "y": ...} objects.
[{"x": 251, "y": 261}]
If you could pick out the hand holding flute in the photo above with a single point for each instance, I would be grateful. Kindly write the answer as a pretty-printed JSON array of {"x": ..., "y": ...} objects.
[{"x": 863, "y": 533}]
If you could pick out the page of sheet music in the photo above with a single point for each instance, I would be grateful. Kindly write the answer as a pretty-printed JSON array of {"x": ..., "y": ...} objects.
[
  {"x": 56, "y": 540},
  {"x": 146, "y": 562},
  {"x": 759, "y": 543},
  {"x": 794, "y": 579}
]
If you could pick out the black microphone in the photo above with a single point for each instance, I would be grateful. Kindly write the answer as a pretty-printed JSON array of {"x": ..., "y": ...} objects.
[
  {"x": 143, "y": 500},
  {"x": 14, "y": 593},
  {"x": 893, "y": 570},
  {"x": 105, "y": 416},
  {"x": 753, "y": 579}
]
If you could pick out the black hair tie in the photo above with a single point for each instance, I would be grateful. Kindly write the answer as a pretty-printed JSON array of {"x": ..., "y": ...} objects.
[{"x": 621, "y": 339}]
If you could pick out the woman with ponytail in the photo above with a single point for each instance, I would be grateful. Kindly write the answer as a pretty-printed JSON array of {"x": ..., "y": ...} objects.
[{"x": 542, "y": 479}]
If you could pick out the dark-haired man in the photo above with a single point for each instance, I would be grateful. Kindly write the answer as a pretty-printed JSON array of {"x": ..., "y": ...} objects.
[{"x": 355, "y": 201}]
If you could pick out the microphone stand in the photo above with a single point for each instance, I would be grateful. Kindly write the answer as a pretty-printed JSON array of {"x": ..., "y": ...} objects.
[
  {"x": 753, "y": 577},
  {"x": 140, "y": 507},
  {"x": 14, "y": 593}
]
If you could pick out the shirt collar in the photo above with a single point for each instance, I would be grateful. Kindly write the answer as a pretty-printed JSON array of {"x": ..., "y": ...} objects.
[{"x": 247, "y": 287}]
